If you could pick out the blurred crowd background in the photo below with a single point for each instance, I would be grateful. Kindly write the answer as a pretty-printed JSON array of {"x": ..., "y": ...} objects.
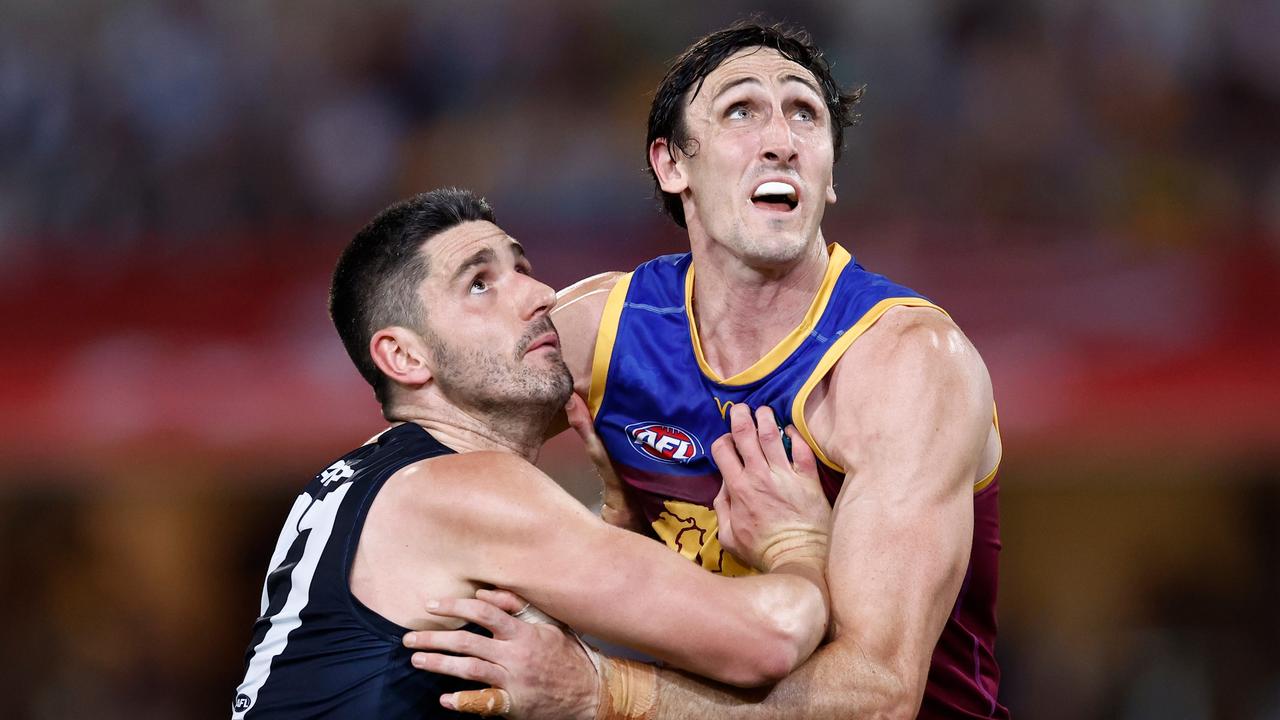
[{"x": 1091, "y": 188}]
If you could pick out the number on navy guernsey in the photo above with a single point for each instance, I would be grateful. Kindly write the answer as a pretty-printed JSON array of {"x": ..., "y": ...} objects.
[{"x": 287, "y": 588}]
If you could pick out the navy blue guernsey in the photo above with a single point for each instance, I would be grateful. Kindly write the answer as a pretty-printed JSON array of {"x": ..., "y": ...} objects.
[{"x": 317, "y": 651}]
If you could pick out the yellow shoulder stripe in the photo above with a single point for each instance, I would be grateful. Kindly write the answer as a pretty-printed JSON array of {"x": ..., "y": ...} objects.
[
  {"x": 605, "y": 338},
  {"x": 833, "y": 354},
  {"x": 984, "y": 482},
  {"x": 838, "y": 259}
]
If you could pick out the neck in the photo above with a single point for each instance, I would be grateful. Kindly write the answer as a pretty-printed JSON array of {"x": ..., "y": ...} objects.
[
  {"x": 742, "y": 311},
  {"x": 470, "y": 430}
]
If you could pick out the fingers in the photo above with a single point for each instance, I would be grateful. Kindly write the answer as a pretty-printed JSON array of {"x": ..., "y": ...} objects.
[
  {"x": 459, "y": 642},
  {"x": 504, "y": 600},
  {"x": 485, "y": 703},
  {"x": 725, "y": 454},
  {"x": 745, "y": 438},
  {"x": 467, "y": 668},
  {"x": 723, "y": 505},
  {"x": 479, "y": 612},
  {"x": 802, "y": 458},
  {"x": 771, "y": 438}
]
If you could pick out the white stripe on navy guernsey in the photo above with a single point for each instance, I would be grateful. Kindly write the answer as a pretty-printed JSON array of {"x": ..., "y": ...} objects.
[
  {"x": 287, "y": 536},
  {"x": 319, "y": 519}
]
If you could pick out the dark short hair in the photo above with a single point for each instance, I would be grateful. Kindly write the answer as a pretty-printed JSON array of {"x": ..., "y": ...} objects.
[
  {"x": 666, "y": 115},
  {"x": 375, "y": 284}
]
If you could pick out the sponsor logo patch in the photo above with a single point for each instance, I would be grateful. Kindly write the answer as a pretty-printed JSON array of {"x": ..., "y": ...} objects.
[
  {"x": 335, "y": 476},
  {"x": 664, "y": 443}
]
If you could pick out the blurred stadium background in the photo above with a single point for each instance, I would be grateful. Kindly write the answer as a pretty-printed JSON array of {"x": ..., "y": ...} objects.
[{"x": 1092, "y": 188}]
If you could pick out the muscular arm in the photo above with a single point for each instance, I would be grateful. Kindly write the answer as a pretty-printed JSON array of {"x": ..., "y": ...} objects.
[
  {"x": 493, "y": 519},
  {"x": 902, "y": 528}
]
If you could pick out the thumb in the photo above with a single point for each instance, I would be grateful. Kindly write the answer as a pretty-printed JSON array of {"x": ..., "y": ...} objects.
[
  {"x": 581, "y": 422},
  {"x": 576, "y": 410},
  {"x": 504, "y": 600},
  {"x": 802, "y": 458},
  {"x": 723, "y": 506}
]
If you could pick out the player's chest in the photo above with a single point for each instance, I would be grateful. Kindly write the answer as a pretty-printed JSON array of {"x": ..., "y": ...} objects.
[{"x": 659, "y": 434}]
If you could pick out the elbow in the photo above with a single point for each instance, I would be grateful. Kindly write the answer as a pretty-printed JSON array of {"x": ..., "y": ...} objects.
[
  {"x": 765, "y": 656},
  {"x": 760, "y": 667},
  {"x": 787, "y": 630},
  {"x": 774, "y": 662}
]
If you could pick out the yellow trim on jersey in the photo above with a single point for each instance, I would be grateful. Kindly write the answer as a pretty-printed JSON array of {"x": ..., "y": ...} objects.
[
  {"x": 838, "y": 258},
  {"x": 984, "y": 482},
  {"x": 833, "y": 354},
  {"x": 605, "y": 337}
]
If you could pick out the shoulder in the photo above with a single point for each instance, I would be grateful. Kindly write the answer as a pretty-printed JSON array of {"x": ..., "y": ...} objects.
[
  {"x": 448, "y": 478},
  {"x": 913, "y": 370},
  {"x": 914, "y": 343},
  {"x": 475, "y": 490},
  {"x": 577, "y": 315},
  {"x": 587, "y": 288}
]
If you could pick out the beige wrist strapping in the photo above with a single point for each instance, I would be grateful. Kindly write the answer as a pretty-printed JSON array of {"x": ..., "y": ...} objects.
[{"x": 628, "y": 690}]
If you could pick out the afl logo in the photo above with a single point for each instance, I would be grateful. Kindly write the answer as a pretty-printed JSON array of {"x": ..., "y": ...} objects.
[{"x": 664, "y": 443}]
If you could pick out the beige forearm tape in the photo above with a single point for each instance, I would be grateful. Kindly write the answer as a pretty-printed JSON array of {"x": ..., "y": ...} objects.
[
  {"x": 628, "y": 691},
  {"x": 807, "y": 546}
]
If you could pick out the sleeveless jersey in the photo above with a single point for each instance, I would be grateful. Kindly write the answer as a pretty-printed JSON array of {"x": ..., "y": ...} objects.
[
  {"x": 317, "y": 651},
  {"x": 658, "y": 405}
]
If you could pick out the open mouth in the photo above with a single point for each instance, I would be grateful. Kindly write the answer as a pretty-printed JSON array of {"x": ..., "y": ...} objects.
[{"x": 776, "y": 196}]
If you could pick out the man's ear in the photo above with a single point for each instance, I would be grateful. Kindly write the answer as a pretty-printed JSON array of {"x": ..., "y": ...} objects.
[
  {"x": 831, "y": 193},
  {"x": 670, "y": 174},
  {"x": 401, "y": 355}
]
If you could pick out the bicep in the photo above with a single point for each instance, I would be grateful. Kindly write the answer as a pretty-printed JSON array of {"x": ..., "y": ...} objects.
[
  {"x": 894, "y": 573},
  {"x": 903, "y": 525}
]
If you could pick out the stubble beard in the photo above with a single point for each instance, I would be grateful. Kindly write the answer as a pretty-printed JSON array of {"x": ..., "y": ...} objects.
[
  {"x": 515, "y": 397},
  {"x": 766, "y": 247}
]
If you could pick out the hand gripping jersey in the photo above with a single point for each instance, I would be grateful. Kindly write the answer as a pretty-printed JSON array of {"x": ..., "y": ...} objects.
[
  {"x": 317, "y": 651},
  {"x": 658, "y": 405}
]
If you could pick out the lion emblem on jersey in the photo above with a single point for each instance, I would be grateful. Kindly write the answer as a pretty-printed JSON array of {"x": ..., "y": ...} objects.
[{"x": 690, "y": 530}]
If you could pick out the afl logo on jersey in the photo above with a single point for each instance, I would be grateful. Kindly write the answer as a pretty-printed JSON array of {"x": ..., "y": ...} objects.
[{"x": 664, "y": 443}]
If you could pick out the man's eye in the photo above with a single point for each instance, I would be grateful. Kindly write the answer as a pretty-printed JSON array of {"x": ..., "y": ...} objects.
[
  {"x": 478, "y": 286},
  {"x": 738, "y": 112},
  {"x": 804, "y": 115}
]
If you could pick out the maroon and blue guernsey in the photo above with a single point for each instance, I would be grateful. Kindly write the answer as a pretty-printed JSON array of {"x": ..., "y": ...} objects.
[{"x": 658, "y": 405}]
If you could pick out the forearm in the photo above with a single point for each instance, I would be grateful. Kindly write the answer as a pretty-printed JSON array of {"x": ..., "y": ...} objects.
[
  {"x": 746, "y": 631},
  {"x": 836, "y": 682}
]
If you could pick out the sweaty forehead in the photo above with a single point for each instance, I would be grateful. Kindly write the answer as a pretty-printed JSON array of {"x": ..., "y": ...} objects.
[{"x": 760, "y": 63}]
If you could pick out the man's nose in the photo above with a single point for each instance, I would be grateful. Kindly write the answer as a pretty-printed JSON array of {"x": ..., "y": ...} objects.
[
  {"x": 539, "y": 297},
  {"x": 778, "y": 143}
]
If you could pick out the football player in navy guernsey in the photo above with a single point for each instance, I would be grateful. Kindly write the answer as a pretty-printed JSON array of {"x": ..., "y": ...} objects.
[
  {"x": 438, "y": 309},
  {"x": 769, "y": 311}
]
